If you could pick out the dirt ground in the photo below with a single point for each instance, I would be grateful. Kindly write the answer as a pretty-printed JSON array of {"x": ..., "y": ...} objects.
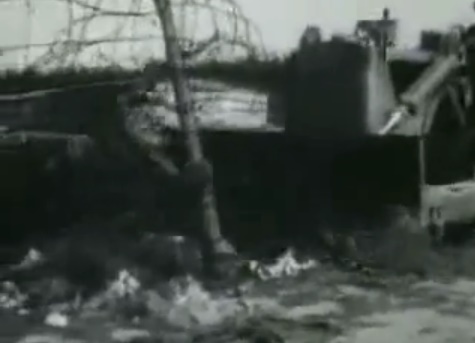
[
  {"x": 321, "y": 304},
  {"x": 311, "y": 311},
  {"x": 406, "y": 292}
]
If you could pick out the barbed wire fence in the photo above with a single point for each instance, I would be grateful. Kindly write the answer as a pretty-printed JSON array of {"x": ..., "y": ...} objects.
[
  {"x": 102, "y": 32},
  {"x": 83, "y": 41}
]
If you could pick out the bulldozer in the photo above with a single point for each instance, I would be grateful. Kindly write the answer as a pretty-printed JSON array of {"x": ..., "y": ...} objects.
[
  {"x": 355, "y": 125},
  {"x": 398, "y": 123},
  {"x": 358, "y": 126}
]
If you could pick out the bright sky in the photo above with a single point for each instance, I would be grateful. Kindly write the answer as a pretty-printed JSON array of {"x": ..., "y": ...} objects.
[{"x": 279, "y": 21}]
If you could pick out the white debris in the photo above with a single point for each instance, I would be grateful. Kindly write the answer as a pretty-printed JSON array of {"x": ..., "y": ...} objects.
[
  {"x": 57, "y": 319},
  {"x": 286, "y": 265},
  {"x": 10, "y": 296},
  {"x": 193, "y": 305},
  {"x": 32, "y": 258},
  {"x": 125, "y": 285}
]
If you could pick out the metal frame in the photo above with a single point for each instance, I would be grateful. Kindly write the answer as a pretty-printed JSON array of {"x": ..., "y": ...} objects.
[{"x": 428, "y": 114}]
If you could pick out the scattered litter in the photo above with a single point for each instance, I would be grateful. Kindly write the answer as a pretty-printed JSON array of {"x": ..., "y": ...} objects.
[
  {"x": 57, "y": 319},
  {"x": 32, "y": 258},
  {"x": 193, "y": 305},
  {"x": 286, "y": 265},
  {"x": 10, "y": 296},
  {"x": 125, "y": 285}
]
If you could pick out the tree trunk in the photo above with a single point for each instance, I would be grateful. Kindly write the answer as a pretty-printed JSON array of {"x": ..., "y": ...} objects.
[{"x": 214, "y": 244}]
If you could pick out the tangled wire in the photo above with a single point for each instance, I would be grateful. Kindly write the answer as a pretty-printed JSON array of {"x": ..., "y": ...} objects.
[{"x": 230, "y": 32}]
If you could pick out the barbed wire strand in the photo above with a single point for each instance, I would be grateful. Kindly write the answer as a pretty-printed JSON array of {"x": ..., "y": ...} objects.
[{"x": 70, "y": 42}]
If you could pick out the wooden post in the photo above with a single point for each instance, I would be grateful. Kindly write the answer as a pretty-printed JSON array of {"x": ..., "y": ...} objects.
[{"x": 213, "y": 241}]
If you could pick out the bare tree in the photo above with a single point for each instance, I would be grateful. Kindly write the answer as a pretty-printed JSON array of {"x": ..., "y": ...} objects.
[
  {"x": 177, "y": 48},
  {"x": 214, "y": 243}
]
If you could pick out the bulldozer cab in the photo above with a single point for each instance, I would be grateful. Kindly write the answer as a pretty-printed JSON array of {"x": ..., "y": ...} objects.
[
  {"x": 382, "y": 32},
  {"x": 341, "y": 87}
]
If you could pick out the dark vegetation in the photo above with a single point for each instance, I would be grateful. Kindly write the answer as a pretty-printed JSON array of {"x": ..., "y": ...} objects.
[
  {"x": 264, "y": 203},
  {"x": 251, "y": 73},
  {"x": 39, "y": 202}
]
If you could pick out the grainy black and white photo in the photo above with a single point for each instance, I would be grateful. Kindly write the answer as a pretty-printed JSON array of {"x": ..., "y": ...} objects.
[{"x": 252, "y": 171}]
